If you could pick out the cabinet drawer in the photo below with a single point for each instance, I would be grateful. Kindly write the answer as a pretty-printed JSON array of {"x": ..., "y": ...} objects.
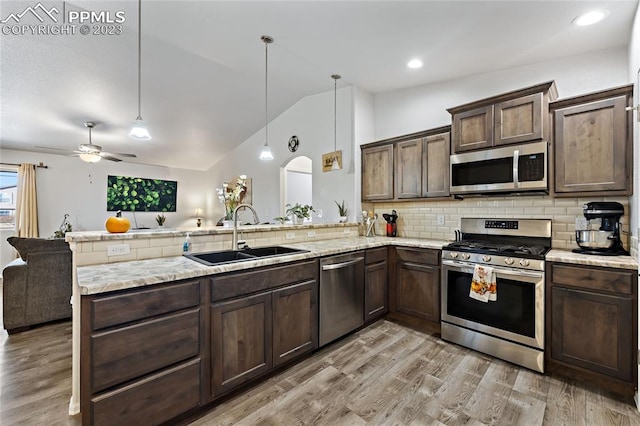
[
  {"x": 243, "y": 283},
  {"x": 426, "y": 256},
  {"x": 124, "y": 354},
  {"x": 151, "y": 401},
  {"x": 128, "y": 307},
  {"x": 375, "y": 255},
  {"x": 578, "y": 276}
]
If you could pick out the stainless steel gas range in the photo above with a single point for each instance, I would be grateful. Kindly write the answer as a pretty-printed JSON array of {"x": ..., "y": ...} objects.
[{"x": 512, "y": 326}]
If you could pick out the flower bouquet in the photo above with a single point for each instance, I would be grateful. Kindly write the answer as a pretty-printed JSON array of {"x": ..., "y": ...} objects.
[{"x": 231, "y": 195}]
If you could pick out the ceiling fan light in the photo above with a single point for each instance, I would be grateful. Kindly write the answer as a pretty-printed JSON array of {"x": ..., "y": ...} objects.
[
  {"x": 266, "y": 154},
  {"x": 90, "y": 157},
  {"x": 139, "y": 130}
]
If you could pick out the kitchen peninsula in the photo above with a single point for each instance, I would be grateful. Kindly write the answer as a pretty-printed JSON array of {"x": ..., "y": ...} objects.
[{"x": 153, "y": 304}]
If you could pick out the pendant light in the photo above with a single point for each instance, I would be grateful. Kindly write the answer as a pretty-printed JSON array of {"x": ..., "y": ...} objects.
[
  {"x": 139, "y": 129},
  {"x": 266, "y": 154},
  {"x": 334, "y": 164}
]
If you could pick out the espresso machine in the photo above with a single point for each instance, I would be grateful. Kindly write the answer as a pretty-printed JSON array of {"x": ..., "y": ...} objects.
[{"x": 605, "y": 240}]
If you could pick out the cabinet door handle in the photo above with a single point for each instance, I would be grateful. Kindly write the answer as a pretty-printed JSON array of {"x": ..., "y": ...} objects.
[
  {"x": 342, "y": 265},
  {"x": 516, "y": 157}
]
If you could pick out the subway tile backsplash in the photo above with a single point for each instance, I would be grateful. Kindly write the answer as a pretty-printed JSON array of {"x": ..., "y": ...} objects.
[{"x": 418, "y": 219}]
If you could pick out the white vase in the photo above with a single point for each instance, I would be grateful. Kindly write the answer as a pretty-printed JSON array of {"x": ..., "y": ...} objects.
[
  {"x": 227, "y": 223},
  {"x": 298, "y": 220},
  {"x": 343, "y": 219}
]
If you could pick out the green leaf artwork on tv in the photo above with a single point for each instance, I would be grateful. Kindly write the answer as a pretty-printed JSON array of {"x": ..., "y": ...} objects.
[{"x": 141, "y": 195}]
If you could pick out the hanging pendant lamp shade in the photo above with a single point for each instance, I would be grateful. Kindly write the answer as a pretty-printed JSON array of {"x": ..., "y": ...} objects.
[
  {"x": 335, "y": 165},
  {"x": 139, "y": 129},
  {"x": 266, "y": 154}
]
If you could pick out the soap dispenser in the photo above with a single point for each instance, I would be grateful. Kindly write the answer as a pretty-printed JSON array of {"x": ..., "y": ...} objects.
[{"x": 186, "y": 246}]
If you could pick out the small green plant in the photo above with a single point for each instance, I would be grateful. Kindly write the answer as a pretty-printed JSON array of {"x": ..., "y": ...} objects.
[
  {"x": 65, "y": 227},
  {"x": 281, "y": 219},
  {"x": 299, "y": 211},
  {"x": 343, "y": 211},
  {"x": 160, "y": 219}
]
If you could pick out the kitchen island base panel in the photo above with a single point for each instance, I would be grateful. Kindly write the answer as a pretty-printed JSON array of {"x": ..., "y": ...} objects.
[{"x": 530, "y": 358}]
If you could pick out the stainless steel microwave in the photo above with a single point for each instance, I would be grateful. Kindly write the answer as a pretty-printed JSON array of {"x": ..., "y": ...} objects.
[{"x": 513, "y": 168}]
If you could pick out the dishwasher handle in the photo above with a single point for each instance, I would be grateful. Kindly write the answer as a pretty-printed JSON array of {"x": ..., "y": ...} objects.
[{"x": 342, "y": 264}]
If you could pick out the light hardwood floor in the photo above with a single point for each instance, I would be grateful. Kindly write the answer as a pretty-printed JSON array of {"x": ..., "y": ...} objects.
[{"x": 386, "y": 374}]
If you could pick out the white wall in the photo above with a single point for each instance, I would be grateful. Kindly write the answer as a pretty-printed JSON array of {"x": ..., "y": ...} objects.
[
  {"x": 72, "y": 186},
  {"x": 363, "y": 132},
  {"x": 424, "y": 107},
  {"x": 311, "y": 119}
]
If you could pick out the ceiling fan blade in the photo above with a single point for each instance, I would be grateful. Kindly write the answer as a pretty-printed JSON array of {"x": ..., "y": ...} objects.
[
  {"x": 68, "y": 151},
  {"x": 120, "y": 154},
  {"x": 106, "y": 156}
]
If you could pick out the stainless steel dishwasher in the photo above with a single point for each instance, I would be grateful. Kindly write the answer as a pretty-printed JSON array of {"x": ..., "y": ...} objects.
[{"x": 341, "y": 295}]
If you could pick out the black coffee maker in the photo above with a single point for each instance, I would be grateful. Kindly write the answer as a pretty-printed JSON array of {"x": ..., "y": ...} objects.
[{"x": 606, "y": 239}]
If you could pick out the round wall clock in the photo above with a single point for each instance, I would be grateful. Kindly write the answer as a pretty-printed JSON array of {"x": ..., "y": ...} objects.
[{"x": 293, "y": 143}]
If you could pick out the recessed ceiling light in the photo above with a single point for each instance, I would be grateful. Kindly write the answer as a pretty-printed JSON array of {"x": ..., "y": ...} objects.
[
  {"x": 414, "y": 63},
  {"x": 590, "y": 18}
]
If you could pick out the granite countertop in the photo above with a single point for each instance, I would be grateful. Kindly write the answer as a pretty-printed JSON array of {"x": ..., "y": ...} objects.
[
  {"x": 565, "y": 256},
  {"x": 180, "y": 232},
  {"x": 123, "y": 275}
]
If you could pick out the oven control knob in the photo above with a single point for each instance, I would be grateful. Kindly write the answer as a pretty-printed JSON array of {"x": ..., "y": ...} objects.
[
  {"x": 486, "y": 258},
  {"x": 524, "y": 262},
  {"x": 466, "y": 256},
  {"x": 453, "y": 254},
  {"x": 509, "y": 261}
]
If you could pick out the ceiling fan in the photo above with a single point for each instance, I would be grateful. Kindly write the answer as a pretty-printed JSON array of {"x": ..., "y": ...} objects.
[{"x": 92, "y": 153}]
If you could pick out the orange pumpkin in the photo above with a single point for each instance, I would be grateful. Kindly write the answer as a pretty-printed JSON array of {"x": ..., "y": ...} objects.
[{"x": 117, "y": 224}]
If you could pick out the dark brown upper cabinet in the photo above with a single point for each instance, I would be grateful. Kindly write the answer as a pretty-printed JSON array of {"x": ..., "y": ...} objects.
[
  {"x": 419, "y": 166},
  {"x": 513, "y": 117},
  {"x": 592, "y": 143}
]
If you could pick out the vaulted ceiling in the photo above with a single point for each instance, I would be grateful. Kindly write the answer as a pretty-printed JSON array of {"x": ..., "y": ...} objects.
[{"x": 203, "y": 63}]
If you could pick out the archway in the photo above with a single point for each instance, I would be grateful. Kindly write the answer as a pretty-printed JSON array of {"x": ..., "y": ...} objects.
[{"x": 296, "y": 182}]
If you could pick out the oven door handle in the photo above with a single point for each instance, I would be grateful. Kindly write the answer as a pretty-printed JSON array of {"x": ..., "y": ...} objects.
[{"x": 501, "y": 271}]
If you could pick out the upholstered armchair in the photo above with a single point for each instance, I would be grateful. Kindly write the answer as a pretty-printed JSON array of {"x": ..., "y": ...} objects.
[{"x": 36, "y": 286}]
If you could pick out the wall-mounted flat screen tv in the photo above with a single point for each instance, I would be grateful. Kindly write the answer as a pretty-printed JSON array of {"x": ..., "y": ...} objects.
[{"x": 140, "y": 194}]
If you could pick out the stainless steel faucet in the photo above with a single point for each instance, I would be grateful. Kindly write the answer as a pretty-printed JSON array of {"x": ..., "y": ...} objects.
[{"x": 234, "y": 243}]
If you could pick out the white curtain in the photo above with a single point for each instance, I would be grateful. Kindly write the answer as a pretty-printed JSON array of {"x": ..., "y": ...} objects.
[{"x": 27, "y": 204}]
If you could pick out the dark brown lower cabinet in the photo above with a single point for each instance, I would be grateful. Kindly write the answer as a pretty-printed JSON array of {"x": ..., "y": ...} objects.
[
  {"x": 142, "y": 354},
  {"x": 252, "y": 334},
  {"x": 375, "y": 284},
  {"x": 417, "y": 283},
  {"x": 240, "y": 341},
  {"x": 295, "y": 321},
  {"x": 151, "y": 401},
  {"x": 592, "y": 324}
]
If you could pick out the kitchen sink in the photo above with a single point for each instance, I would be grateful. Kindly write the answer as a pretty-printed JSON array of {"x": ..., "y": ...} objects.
[
  {"x": 271, "y": 251},
  {"x": 233, "y": 256}
]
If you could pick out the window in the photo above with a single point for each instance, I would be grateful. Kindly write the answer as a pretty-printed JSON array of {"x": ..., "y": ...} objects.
[{"x": 8, "y": 192}]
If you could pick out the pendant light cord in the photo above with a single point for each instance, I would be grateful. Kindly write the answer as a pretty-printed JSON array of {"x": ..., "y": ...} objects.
[
  {"x": 266, "y": 90},
  {"x": 335, "y": 78},
  {"x": 139, "y": 55},
  {"x": 335, "y": 113}
]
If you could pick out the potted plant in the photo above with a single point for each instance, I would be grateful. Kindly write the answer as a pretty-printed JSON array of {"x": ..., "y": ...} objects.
[
  {"x": 160, "y": 219},
  {"x": 298, "y": 212},
  {"x": 65, "y": 227},
  {"x": 343, "y": 211}
]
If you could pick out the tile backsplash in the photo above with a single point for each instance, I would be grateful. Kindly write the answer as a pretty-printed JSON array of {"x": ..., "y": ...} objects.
[{"x": 419, "y": 219}]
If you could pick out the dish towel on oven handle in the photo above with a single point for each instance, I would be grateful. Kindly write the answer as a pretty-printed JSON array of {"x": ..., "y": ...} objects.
[{"x": 483, "y": 284}]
